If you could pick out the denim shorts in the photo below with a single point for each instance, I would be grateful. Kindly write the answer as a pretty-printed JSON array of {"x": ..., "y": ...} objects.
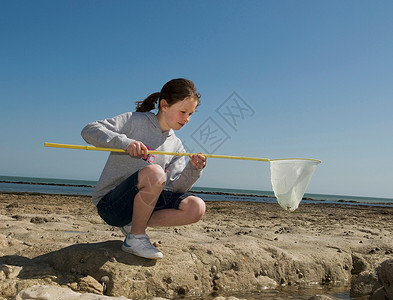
[{"x": 116, "y": 207}]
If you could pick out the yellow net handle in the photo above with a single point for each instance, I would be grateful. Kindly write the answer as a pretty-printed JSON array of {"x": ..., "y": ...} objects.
[{"x": 54, "y": 145}]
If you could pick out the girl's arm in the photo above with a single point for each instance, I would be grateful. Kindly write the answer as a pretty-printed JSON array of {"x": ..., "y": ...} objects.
[
  {"x": 109, "y": 133},
  {"x": 181, "y": 176}
]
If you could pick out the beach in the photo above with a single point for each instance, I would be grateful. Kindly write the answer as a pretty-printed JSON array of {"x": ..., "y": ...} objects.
[{"x": 237, "y": 248}]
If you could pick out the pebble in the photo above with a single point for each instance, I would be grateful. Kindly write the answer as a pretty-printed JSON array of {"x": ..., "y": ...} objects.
[
  {"x": 104, "y": 280},
  {"x": 235, "y": 266},
  {"x": 38, "y": 220},
  {"x": 13, "y": 205},
  {"x": 320, "y": 297},
  {"x": 182, "y": 290},
  {"x": 168, "y": 280}
]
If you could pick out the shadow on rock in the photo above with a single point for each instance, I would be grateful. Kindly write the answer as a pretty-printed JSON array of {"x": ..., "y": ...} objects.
[
  {"x": 69, "y": 265},
  {"x": 90, "y": 257}
]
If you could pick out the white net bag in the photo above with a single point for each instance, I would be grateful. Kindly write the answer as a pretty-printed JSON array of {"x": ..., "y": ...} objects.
[{"x": 290, "y": 178}]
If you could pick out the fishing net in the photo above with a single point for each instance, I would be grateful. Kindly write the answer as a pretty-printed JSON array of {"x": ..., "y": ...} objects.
[{"x": 290, "y": 178}]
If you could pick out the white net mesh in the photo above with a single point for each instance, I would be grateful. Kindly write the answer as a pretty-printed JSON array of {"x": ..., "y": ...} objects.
[{"x": 290, "y": 178}]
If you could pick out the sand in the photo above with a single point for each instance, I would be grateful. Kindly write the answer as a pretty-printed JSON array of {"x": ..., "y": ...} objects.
[{"x": 238, "y": 247}]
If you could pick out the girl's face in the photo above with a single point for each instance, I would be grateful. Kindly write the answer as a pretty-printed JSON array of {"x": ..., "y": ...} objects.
[{"x": 177, "y": 115}]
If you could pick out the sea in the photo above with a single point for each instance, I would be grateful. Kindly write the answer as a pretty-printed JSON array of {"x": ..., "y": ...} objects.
[{"x": 86, "y": 187}]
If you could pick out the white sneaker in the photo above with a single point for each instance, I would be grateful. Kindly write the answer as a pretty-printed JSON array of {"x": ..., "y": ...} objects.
[
  {"x": 126, "y": 229},
  {"x": 140, "y": 245}
]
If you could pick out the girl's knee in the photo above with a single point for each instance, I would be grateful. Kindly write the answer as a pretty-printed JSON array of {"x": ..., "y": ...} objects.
[
  {"x": 152, "y": 175},
  {"x": 195, "y": 207}
]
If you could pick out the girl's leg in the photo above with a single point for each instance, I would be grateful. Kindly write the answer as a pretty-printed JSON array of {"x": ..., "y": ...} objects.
[
  {"x": 191, "y": 210},
  {"x": 151, "y": 181}
]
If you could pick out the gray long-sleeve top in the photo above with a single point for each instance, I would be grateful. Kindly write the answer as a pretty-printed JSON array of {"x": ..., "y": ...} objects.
[{"x": 119, "y": 132}]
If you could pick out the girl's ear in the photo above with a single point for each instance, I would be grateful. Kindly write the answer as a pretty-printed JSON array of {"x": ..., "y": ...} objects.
[{"x": 163, "y": 104}]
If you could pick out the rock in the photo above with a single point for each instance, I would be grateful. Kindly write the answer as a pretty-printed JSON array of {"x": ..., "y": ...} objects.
[
  {"x": 320, "y": 297},
  {"x": 13, "y": 205},
  {"x": 182, "y": 290},
  {"x": 385, "y": 274},
  {"x": 105, "y": 279},
  {"x": 195, "y": 264},
  {"x": 225, "y": 298},
  {"x": 6, "y": 241},
  {"x": 168, "y": 279},
  {"x": 38, "y": 220},
  {"x": 9, "y": 272},
  {"x": 379, "y": 294},
  {"x": 364, "y": 284},
  {"x": 45, "y": 292},
  {"x": 90, "y": 285},
  {"x": 358, "y": 264}
]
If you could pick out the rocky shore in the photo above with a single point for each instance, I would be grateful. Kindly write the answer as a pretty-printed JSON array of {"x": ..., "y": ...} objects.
[{"x": 58, "y": 243}]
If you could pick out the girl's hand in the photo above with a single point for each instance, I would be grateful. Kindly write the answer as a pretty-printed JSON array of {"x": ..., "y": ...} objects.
[
  {"x": 198, "y": 161},
  {"x": 135, "y": 149}
]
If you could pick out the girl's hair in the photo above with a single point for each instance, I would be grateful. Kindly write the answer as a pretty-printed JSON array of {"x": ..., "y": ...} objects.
[{"x": 173, "y": 91}]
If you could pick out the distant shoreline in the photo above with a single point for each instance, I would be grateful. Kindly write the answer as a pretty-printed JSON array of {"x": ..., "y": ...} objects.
[
  {"x": 339, "y": 201},
  {"x": 217, "y": 193},
  {"x": 191, "y": 191},
  {"x": 47, "y": 183}
]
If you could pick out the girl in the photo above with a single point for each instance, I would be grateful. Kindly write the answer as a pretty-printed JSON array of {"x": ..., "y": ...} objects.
[{"x": 148, "y": 189}]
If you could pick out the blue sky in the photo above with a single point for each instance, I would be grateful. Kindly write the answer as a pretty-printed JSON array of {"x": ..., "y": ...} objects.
[{"x": 316, "y": 77}]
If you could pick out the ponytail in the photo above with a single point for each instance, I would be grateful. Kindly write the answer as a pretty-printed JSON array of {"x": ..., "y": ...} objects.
[
  {"x": 149, "y": 103},
  {"x": 173, "y": 91}
]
